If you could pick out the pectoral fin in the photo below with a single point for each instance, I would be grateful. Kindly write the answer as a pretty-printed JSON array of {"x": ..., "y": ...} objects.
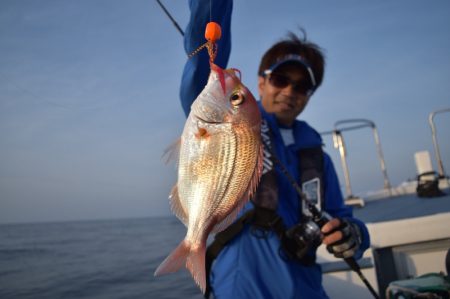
[{"x": 172, "y": 152}]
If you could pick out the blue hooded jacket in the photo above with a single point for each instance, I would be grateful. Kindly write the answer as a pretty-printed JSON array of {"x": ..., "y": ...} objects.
[{"x": 251, "y": 267}]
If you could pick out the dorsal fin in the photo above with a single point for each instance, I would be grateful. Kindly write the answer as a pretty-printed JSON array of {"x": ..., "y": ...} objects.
[{"x": 254, "y": 181}]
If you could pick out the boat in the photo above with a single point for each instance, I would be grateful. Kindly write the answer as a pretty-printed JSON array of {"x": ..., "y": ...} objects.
[{"x": 410, "y": 232}]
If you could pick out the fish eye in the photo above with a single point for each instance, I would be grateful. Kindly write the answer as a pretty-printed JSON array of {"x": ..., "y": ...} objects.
[{"x": 237, "y": 99}]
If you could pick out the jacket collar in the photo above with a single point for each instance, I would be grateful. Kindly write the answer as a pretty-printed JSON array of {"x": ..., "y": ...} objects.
[{"x": 304, "y": 135}]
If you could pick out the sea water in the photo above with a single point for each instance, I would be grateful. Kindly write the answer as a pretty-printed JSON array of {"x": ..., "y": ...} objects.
[{"x": 92, "y": 259}]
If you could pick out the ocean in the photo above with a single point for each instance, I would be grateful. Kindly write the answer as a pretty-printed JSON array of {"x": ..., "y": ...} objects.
[{"x": 92, "y": 259}]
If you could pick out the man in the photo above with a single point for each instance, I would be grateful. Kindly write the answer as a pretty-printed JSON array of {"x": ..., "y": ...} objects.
[{"x": 269, "y": 252}]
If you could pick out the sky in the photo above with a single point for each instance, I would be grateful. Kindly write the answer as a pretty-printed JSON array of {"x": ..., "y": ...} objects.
[{"x": 89, "y": 94}]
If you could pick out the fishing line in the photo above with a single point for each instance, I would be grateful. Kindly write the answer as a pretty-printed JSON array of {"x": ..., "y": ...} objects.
[
  {"x": 37, "y": 97},
  {"x": 69, "y": 107}
]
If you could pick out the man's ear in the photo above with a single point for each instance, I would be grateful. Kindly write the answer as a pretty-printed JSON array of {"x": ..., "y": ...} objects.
[{"x": 261, "y": 83}]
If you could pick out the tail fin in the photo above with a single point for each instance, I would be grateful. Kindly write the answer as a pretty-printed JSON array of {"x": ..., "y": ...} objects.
[
  {"x": 196, "y": 265},
  {"x": 175, "y": 260}
]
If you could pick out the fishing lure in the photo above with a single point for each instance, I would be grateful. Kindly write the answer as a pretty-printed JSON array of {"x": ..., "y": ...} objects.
[{"x": 213, "y": 33}]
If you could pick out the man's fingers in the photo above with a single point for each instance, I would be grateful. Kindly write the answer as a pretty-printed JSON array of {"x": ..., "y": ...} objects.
[
  {"x": 331, "y": 225},
  {"x": 332, "y": 238}
]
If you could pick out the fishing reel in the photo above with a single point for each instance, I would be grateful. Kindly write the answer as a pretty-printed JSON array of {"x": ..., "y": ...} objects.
[
  {"x": 301, "y": 239},
  {"x": 306, "y": 235}
]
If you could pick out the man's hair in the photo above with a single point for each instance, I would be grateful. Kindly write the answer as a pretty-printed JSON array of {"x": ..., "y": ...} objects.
[{"x": 311, "y": 52}]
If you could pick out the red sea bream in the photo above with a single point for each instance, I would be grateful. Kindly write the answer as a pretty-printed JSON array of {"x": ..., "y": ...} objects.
[{"x": 219, "y": 167}]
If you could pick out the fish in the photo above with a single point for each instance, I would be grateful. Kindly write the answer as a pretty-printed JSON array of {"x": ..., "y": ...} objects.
[{"x": 220, "y": 156}]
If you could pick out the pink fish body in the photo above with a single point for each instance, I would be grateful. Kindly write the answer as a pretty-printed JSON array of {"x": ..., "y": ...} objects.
[{"x": 220, "y": 163}]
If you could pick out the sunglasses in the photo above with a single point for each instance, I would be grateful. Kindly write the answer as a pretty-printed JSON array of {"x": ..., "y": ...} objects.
[{"x": 277, "y": 80}]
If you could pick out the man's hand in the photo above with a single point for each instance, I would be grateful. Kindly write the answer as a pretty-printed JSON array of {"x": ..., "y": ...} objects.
[{"x": 342, "y": 237}]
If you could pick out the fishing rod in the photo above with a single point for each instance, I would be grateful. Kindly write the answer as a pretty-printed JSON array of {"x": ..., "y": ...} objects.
[
  {"x": 170, "y": 17},
  {"x": 321, "y": 218}
]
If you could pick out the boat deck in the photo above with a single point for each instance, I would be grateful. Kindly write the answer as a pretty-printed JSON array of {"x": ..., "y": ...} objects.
[{"x": 402, "y": 207}]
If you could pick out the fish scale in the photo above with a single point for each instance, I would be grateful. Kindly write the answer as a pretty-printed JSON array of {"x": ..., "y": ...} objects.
[{"x": 210, "y": 185}]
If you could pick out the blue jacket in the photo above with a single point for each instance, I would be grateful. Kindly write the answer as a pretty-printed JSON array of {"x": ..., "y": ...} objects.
[{"x": 249, "y": 267}]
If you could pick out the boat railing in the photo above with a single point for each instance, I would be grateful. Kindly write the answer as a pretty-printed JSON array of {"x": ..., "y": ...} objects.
[
  {"x": 338, "y": 142},
  {"x": 435, "y": 141}
]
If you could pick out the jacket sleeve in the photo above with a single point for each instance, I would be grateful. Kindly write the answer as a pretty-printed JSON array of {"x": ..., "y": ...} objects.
[
  {"x": 196, "y": 70},
  {"x": 334, "y": 204}
]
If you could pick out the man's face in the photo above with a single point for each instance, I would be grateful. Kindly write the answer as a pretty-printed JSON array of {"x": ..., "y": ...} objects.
[{"x": 286, "y": 102}]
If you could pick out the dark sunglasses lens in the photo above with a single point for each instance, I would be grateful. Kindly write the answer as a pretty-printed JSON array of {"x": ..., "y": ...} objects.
[
  {"x": 279, "y": 81},
  {"x": 302, "y": 87}
]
